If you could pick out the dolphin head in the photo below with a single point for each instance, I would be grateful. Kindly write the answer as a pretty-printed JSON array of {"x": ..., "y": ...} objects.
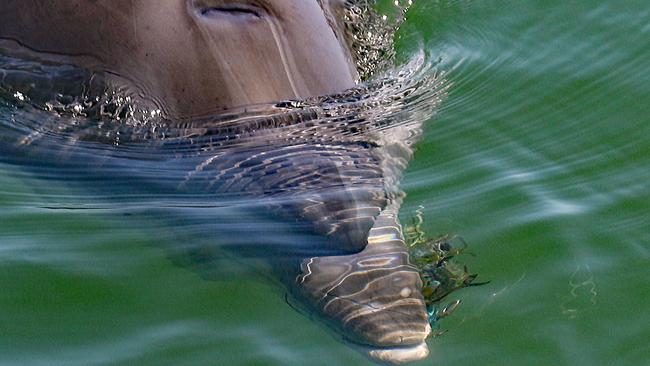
[
  {"x": 192, "y": 57},
  {"x": 195, "y": 57}
]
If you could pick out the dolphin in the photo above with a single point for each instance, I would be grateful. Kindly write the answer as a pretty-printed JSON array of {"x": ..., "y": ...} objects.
[{"x": 216, "y": 69}]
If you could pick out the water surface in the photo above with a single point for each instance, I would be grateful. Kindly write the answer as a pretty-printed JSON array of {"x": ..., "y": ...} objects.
[{"x": 538, "y": 158}]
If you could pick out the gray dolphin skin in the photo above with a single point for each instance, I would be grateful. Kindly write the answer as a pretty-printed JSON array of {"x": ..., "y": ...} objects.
[
  {"x": 192, "y": 57},
  {"x": 214, "y": 71}
]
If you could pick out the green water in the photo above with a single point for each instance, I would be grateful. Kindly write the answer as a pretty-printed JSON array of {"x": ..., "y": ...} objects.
[{"x": 539, "y": 159}]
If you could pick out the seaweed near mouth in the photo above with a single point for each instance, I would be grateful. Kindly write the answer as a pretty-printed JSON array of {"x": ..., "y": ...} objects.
[{"x": 441, "y": 274}]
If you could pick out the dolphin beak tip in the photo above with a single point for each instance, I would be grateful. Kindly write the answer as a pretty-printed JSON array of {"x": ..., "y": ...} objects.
[{"x": 399, "y": 355}]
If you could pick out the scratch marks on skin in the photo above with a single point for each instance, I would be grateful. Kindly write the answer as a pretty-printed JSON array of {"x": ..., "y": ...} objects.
[
  {"x": 309, "y": 272},
  {"x": 287, "y": 58},
  {"x": 135, "y": 21},
  {"x": 391, "y": 271},
  {"x": 374, "y": 308},
  {"x": 367, "y": 309}
]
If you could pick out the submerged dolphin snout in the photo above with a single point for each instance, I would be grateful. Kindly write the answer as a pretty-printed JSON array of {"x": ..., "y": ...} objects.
[{"x": 372, "y": 298}]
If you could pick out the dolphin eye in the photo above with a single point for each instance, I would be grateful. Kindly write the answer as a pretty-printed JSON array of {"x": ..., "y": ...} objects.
[{"x": 235, "y": 10}]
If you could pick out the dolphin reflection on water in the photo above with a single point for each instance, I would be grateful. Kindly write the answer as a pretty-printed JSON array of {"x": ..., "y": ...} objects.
[{"x": 243, "y": 119}]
